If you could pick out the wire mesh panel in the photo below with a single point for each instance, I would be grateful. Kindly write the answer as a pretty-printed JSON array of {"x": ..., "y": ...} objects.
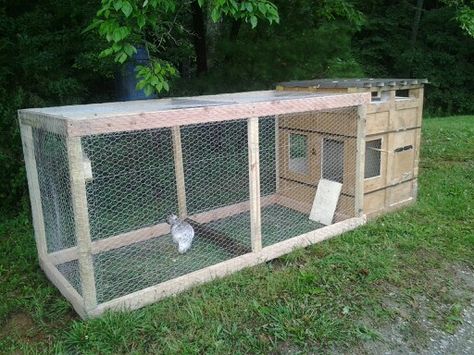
[
  {"x": 132, "y": 184},
  {"x": 309, "y": 146},
  {"x": 156, "y": 206},
  {"x": 55, "y": 189}
]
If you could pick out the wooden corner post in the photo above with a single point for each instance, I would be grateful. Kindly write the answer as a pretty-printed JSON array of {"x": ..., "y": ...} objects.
[
  {"x": 34, "y": 189},
  {"x": 254, "y": 184},
  {"x": 360, "y": 161},
  {"x": 81, "y": 222},
  {"x": 179, "y": 171}
]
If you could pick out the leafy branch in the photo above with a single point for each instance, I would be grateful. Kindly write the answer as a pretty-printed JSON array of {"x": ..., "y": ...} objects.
[{"x": 127, "y": 23}]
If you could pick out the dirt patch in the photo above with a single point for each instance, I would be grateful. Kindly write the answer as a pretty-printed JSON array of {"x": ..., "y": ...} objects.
[
  {"x": 439, "y": 322},
  {"x": 20, "y": 325}
]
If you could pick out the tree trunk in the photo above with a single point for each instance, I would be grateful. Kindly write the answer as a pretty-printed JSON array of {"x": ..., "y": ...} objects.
[
  {"x": 234, "y": 30},
  {"x": 414, "y": 34},
  {"x": 199, "y": 29},
  {"x": 416, "y": 22}
]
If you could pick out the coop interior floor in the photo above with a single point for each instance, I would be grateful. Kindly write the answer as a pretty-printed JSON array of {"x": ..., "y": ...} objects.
[{"x": 128, "y": 269}]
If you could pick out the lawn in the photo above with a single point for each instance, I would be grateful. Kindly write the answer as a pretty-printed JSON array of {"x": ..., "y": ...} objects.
[{"x": 400, "y": 274}]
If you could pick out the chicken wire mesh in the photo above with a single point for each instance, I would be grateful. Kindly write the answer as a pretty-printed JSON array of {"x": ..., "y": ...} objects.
[
  {"x": 133, "y": 186},
  {"x": 54, "y": 183}
]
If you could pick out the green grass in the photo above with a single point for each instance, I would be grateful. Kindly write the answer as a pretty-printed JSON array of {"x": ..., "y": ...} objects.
[{"x": 337, "y": 294}]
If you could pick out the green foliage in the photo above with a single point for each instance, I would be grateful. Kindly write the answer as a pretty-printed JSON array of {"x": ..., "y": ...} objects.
[
  {"x": 124, "y": 24},
  {"x": 249, "y": 11},
  {"x": 305, "y": 45},
  {"x": 45, "y": 60},
  {"x": 442, "y": 52},
  {"x": 464, "y": 14}
]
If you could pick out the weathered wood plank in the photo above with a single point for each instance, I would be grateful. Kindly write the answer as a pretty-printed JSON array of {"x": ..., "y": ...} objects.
[
  {"x": 34, "y": 189},
  {"x": 179, "y": 171},
  {"x": 254, "y": 184},
  {"x": 81, "y": 221},
  {"x": 154, "y": 293}
]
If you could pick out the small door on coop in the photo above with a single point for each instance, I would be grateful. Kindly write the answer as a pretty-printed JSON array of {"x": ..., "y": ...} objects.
[
  {"x": 338, "y": 161},
  {"x": 299, "y": 156}
]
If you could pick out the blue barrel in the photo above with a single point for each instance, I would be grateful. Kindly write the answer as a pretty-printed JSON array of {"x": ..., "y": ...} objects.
[{"x": 126, "y": 77}]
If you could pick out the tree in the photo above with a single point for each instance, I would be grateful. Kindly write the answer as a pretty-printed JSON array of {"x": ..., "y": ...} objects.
[
  {"x": 464, "y": 14},
  {"x": 126, "y": 24}
]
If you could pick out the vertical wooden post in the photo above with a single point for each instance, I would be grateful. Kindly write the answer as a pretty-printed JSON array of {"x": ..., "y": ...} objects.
[
  {"x": 81, "y": 221},
  {"x": 360, "y": 161},
  {"x": 277, "y": 152},
  {"x": 418, "y": 93},
  {"x": 254, "y": 184},
  {"x": 179, "y": 171},
  {"x": 34, "y": 190}
]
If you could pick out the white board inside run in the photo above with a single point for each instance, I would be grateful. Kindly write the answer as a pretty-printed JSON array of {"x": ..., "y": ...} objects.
[{"x": 325, "y": 201}]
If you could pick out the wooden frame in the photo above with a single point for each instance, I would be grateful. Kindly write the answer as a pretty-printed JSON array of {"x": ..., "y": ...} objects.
[
  {"x": 94, "y": 123},
  {"x": 81, "y": 221},
  {"x": 34, "y": 189},
  {"x": 80, "y": 171},
  {"x": 179, "y": 171},
  {"x": 389, "y": 117},
  {"x": 168, "y": 288}
]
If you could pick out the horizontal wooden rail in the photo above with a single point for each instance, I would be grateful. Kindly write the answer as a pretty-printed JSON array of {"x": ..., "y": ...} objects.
[
  {"x": 140, "y": 235},
  {"x": 172, "y": 287}
]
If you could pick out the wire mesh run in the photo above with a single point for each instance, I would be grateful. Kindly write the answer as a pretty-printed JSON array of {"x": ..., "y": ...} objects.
[
  {"x": 148, "y": 192},
  {"x": 54, "y": 183}
]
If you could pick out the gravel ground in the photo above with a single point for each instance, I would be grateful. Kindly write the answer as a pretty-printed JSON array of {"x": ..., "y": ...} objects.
[{"x": 461, "y": 342}]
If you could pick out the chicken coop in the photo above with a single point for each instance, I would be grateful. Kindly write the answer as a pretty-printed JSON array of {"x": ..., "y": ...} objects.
[
  {"x": 393, "y": 135},
  {"x": 255, "y": 174}
]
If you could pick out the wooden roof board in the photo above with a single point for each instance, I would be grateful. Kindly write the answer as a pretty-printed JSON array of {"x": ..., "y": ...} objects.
[
  {"x": 353, "y": 83},
  {"x": 81, "y": 120}
]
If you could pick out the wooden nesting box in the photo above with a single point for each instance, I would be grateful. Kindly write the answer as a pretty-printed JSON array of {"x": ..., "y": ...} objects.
[{"x": 392, "y": 137}]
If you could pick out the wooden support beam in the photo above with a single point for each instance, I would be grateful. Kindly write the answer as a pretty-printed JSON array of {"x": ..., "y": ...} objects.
[
  {"x": 218, "y": 238},
  {"x": 254, "y": 184},
  {"x": 231, "y": 210},
  {"x": 121, "y": 119},
  {"x": 140, "y": 235},
  {"x": 111, "y": 243},
  {"x": 179, "y": 171},
  {"x": 360, "y": 161},
  {"x": 277, "y": 154},
  {"x": 63, "y": 285},
  {"x": 81, "y": 221},
  {"x": 34, "y": 189}
]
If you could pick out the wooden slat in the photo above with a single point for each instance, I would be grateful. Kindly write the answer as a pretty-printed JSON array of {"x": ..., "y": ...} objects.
[
  {"x": 218, "y": 238},
  {"x": 63, "y": 285},
  {"x": 111, "y": 243},
  {"x": 360, "y": 161},
  {"x": 50, "y": 123},
  {"x": 180, "y": 117},
  {"x": 179, "y": 171},
  {"x": 254, "y": 184},
  {"x": 34, "y": 189},
  {"x": 172, "y": 287},
  {"x": 231, "y": 210},
  {"x": 158, "y": 230},
  {"x": 81, "y": 221}
]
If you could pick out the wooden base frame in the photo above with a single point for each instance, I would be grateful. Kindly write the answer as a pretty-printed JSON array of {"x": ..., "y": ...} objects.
[
  {"x": 151, "y": 294},
  {"x": 172, "y": 287}
]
